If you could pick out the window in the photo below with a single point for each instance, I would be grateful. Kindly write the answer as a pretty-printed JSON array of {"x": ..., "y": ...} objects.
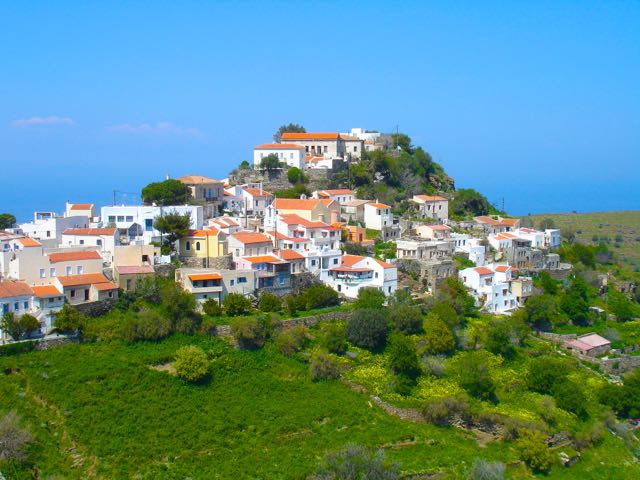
[
  {"x": 16, "y": 306},
  {"x": 355, "y": 149},
  {"x": 112, "y": 219},
  {"x": 148, "y": 224},
  {"x": 129, "y": 218},
  {"x": 80, "y": 269},
  {"x": 232, "y": 283},
  {"x": 313, "y": 263},
  {"x": 198, "y": 246},
  {"x": 26, "y": 305},
  {"x": 99, "y": 242},
  {"x": 81, "y": 242},
  {"x": 121, "y": 218},
  {"x": 69, "y": 271},
  {"x": 187, "y": 245},
  {"x": 335, "y": 261},
  {"x": 72, "y": 294},
  {"x": 111, "y": 294},
  {"x": 48, "y": 233},
  {"x": 325, "y": 149},
  {"x": 42, "y": 274},
  {"x": 242, "y": 279},
  {"x": 52, "y": 272},
  {"x": 128, "y": 284}
]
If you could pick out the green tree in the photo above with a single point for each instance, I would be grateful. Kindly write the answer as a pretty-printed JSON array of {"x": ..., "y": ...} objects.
[
  {"x": 546, "y": 223},
  {"x": 533, "y": 449},
  {"x": 370, "y": 297},
  {"x": 402, "y": 356},
  {"x": 574, "y": 303},
  {"x": 69, "y": 320},
  {"x": 438, "y": 336},
  {"x": 288, "y": 128},
  {"x": 445, "y": 312},
  {"x": 541, "y": 312},
  {"x": 320, "y": 296},
  {"x": 472, "y": 372},
  {"x": 570, "y": 397},
  {"x": 367, "y": 329},
  {"x": 29, "y": 324},
  {"x": 270, "y": 162},
  {"x": 619, "y": 305},
  {"x": 11, "y": 325},
  {"x": 269, "y": 302},
  {"x": 244, "y": 165},
  {"x": 454, "y": 293},
  {"x": 290, "y": 341},
  {"x": 7, "y": 220},
  {"x": 468, "y": 202},
  {"x": 504, "y": 335},
  {"x": 191, "y": 363},
  {"x": 236, "y": 304},
  {"x": 483, "y": 470},
  {"x": 405, "y": 318},
  {"x": 147, "y": 324},
  {"x": 295, "y": 175},
  {"x": 544, "y": 373},
  {"x": 401, "y": 141},
  {"x": 549, "y": 285},
  {"x": 357, "y": 463},
  {"x": 174, "y": 225},
  {"x": 168, "y": 192}
]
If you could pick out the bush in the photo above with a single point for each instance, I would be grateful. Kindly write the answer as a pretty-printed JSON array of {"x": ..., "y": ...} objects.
[
  {"x": 294, "y": 303},
  {"x": 367, "y": 329},
  {"x": 406, "y": 318},
  {"x": 438, "y": 336},
  {"x": 356, "y": 463},
  {"x": 14, "y": 439},
  {"x": 442, "y": 411},
  {"x": 483, "y": 470},
  {"x": 29, "y": 324},
  {"x": 544, "y": 373},
  {"x": 445, "y": 312},
  {"x": 434, "y": 366},
  {"x": 533, "y": 449},
  {"x": 236, "y": 304},
  {"x": 472, "y": 372},
  {"x": 250, "y": 333},
  {"x": 69, "y": 320},
  {"x": 592, "y": 435},
  {"x": 323, "y": 367},
  {"x": 334, "y": 338},
  {"x": 146, "y": 325},
  {"x": 569, "y": 396},
  {"x": 269, "y": 302},
  {"x": 289, "y": 342},
  {"x": 320, "y": 296},
  {"x": 212, "y": 308},
  {"x": 402, "y": 356},
  {"x": 370, "y": 298},
  {"x": 191, "y": 363}
]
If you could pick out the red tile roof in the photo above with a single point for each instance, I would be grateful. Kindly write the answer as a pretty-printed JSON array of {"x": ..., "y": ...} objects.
[
  {"x": 377, "y": 205},
  {"x": 90, "y": 231},
  {"x": 209, "y": 232},
  {"x": 257, "y": 193},
  {"x": 483, "y": 270},
  {"x": 298, "y": 203},
  {"x": 29, "y": 242},
  {"x": 310, "y": 136},
  {"x": 278, "y": 146},
  {"x": 338, "y": 191},
  {"x": 82, "y": 206},
  {"x": 350, "y": 260},
  {"x": 14, "y": 289},
  {"x": 197, "y": 180},
  {"x": 251, "y": 237},
  {"x": 502, "y": 268},
  {"x": 289, "y": 255},
  {"x": 430, "y": 198},
  {"x": 84, "y": 279},
  {"x": 263, "y": 259},
  {"x": 74, "y": 256},
  {"x": 46, "y": 291},
  {"x": 384, "y": 264},
  {"x": 293, "y": 219}
]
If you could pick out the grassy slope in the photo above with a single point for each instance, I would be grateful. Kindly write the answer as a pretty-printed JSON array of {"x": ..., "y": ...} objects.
[
  {"x": 259, "y": 417},
  {"x": 604, "y": 224}
]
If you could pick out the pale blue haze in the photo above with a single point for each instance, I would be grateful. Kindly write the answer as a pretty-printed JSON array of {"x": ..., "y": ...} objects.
[{"x": 536, "y": 102}]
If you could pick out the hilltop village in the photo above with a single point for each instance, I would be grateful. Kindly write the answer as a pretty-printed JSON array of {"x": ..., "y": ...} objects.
[{"x": 339, "y": 282}]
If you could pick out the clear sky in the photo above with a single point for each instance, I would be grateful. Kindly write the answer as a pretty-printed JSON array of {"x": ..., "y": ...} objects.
[{"x": 534, "y": 102}]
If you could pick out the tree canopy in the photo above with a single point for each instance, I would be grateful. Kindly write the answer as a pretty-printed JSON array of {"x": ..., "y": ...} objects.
[
  {"x": 174, "y": 225},
  {"x": 270, "y": 162},
  {"x": 7, "y": 220},
  {"x": 288, "y": 128},
  {"x": 469, "y": 202},
  {"x": 167, "y": 192}
]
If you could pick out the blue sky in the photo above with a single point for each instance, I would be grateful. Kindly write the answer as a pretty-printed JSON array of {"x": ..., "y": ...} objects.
[{"x": 534, "y": 102}]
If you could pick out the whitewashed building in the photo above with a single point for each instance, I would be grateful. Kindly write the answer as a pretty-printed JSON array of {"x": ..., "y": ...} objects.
[
  {"x": 356, "y": 272},
  {"x": 289, "y": 153}
]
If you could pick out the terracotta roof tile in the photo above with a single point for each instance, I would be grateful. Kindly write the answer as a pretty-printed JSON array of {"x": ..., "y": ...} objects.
[
  {"x": 74, "y": 256},
  {"x": 82, "y": 206},
  {"x": 134, "y": 269},
  {"x": 14, "y": 289},
  {"x": 46, "y": 291},
  {"x": 84, "y": 279},
  {"x": 483, "y": 270},
  {"x": 310, "y": 136},
  {"x": 90, "y": 231},
  {"x": 278, "y": 146},
  {"x": 205, "y": 276},
  {"x": 251, "y": 237}
]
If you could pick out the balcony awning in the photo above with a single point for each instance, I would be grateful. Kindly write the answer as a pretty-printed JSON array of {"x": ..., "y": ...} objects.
[
  {"x": 350, "y": 270},
  {"x": 205, "y": 276}
]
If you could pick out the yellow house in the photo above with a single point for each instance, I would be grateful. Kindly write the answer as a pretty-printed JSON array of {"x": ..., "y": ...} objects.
[
  {"x": 323, "y": 210},
  {"x": 203, "y": 244}
]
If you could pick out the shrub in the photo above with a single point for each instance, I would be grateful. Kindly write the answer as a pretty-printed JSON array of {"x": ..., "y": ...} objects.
[
  {"x": 356, "y": 463},
  {"x": 323, "y": 367},
  {"x": 472, "y": 372},
  {"x": 438, "y": 336},
  {"x": 445, "y": 312},
  {"x": 434, "y": 366},
  {"x": 294, "y": 303},
  {"x": 367, "y": 329},
  {"x": 191, "y": 363},
  {"x": 442, "y": 411},
  {"x": 570, "y": 397},
  {"x": 212, "y": 308},
  {"x": 334, "y": 338},
  {"x": 29, "y": 324},
  {"x": 146, "y": 325},
  {"x": 370, "y": 298},
  {"x": 406, "y": 318},
  {"x": 11, "y": 325},
  {"x": 592, "y": 435},
  {"x": 69, "y": 320},
  {"x": 533, "y": 449},
  {"x": 14, "y": 439},
  {"x": 269, "y": 302},
  {"x": 236, "y": 304},
  {"x": 501, "y": 338},
  {"x": 544, "y": 373},
  {"x": 483, "y": 470},
  {"x": 320, "y": 296},
  {"x": 402, "y": 356},
  {"x": 289, "y": 342},
  {"x": 250, "y": 333}
]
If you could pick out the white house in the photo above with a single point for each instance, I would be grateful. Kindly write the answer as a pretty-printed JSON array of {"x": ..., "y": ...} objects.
[
  {"x": 289, "y": 153},
  {"x": 356, "y": 272},
  {"x": 465, "y": 243},
  {"x": 47, "y": 227},
  {"x": 136, "y": 222},
  {"x": 16, "y": 298},
  {"x": 432, "y": 206},
  {"x": 80, "y": 210},
  {"x": 340, "y": 195},
  {"x": 377, "y": 216},
  {"x": 243, "y": 244},
  {"x": 255, "y": 201},
  {"x": 434, "y": 232},
  {"x": 105, "y": 239},
  {"x": 10, "y": 247},
  {"x": 491, "y": 287},
  {"x": 217, "y": 284},
  {"x": 552, "y": 238}
]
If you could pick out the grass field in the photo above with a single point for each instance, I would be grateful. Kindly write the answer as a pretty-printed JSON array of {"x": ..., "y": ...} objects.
[
  {"x": 619, "y": 230},
  {"x": 99, "y": 411}
]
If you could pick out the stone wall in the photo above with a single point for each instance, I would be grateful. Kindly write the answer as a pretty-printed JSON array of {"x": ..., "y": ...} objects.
[
  {"x": 277, "y": 180},
  {"x": 166, "y": 271},
  {"x": 224, "y": 262},
  {"x": 96, "y": 309}
]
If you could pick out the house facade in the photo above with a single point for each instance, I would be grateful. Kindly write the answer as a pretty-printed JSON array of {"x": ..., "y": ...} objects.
[
  {"x": 432, "y": 206},
  {"x": 290, "y": 153},
  {"x": 356, "y": 272}
]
